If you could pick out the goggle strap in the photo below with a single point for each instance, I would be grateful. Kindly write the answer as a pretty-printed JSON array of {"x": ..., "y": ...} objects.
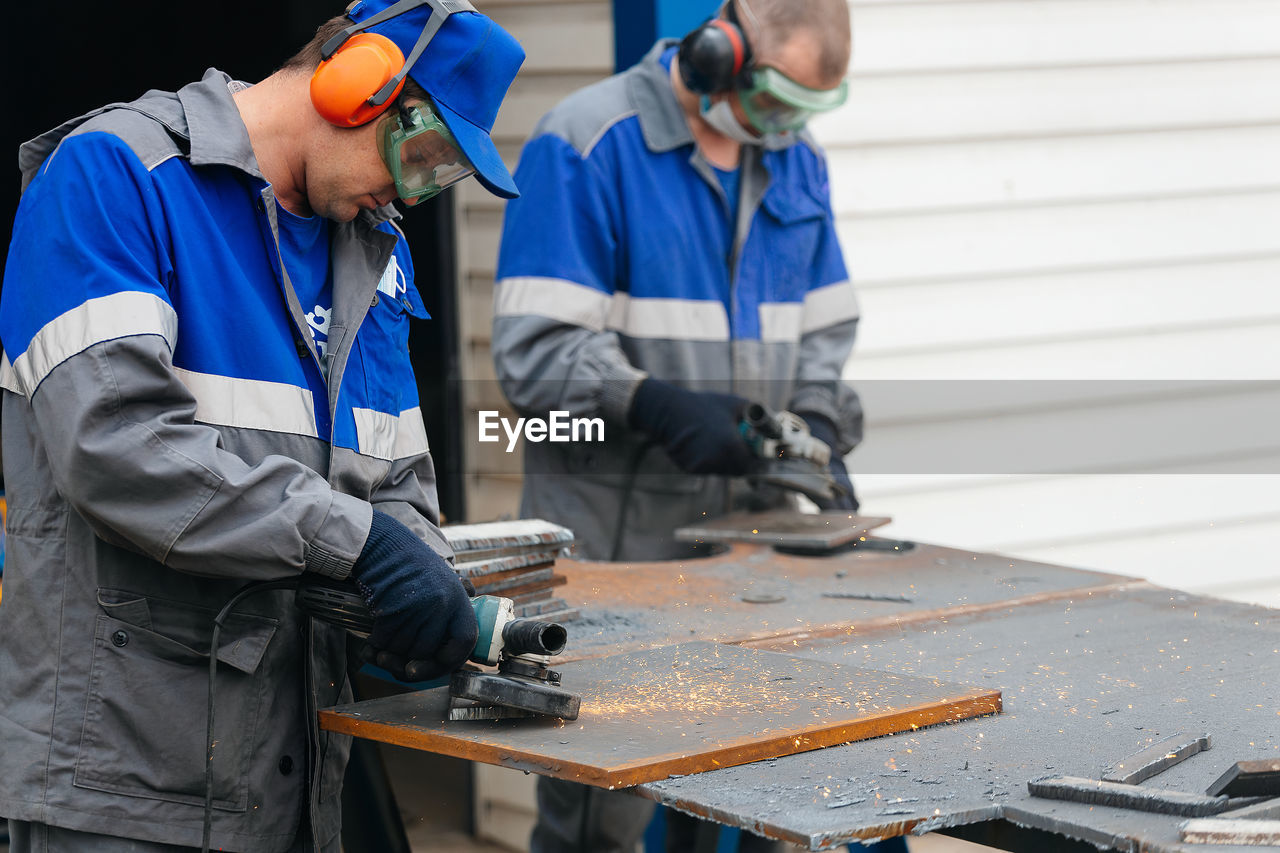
[{"x": 398, "y": 8}]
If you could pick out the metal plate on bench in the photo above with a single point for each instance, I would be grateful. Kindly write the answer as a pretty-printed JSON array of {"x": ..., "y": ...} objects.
[
  {"x": 673, "y": 711},
  {"x": 823, "y": 530}
]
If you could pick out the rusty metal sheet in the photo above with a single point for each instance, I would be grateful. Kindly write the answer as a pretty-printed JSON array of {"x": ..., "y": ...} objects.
[
  {"x": 825, "y": 530},
  {"x": 676, "y": 710},
  {"x": 753, "y": 594},
  {"x": 534, "y": 578},
  {"x": 504, "y": 565},
  {"x": 520, "y": 592}
]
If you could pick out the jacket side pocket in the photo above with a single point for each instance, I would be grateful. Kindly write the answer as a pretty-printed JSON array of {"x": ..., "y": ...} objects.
[{"x": 144, "y": 723}]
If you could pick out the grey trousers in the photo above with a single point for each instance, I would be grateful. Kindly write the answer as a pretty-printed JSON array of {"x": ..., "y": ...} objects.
[
  {"x": 27, "y": 837},
  {"x": 574, "y": 818}
]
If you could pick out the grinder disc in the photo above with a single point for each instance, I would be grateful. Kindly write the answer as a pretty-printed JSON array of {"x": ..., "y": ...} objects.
[{"x": 511, "y": 692}]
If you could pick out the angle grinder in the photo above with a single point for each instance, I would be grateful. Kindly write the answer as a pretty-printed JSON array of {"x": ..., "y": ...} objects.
[
  {"x": 524, "y": 685},
  {"x": 792, "y": 458}
]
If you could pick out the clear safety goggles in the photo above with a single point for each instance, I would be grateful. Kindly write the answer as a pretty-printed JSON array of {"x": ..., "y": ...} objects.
[
  {"x": 420, "y": 153},
  {"x": 775, "y": 103}
]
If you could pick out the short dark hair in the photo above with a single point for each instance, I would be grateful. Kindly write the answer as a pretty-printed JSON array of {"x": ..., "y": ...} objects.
[{"x": 308, "y": 57}]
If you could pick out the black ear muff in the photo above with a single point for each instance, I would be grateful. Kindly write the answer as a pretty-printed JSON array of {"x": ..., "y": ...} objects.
[{"x": 713, "y": 56}]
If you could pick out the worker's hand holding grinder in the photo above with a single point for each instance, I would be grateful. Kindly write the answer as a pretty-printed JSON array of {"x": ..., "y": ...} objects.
[
  {"x": 822, "y": 429},
  {"x": 699, "y": 430},
  {"x": 702, "y": 433},
  {"x": 421, "y": 608}
]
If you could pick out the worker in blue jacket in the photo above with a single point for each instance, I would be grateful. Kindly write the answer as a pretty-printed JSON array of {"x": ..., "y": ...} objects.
[
  {"x": 673, "y": 254},
  {"x": 206, "y": 382}
]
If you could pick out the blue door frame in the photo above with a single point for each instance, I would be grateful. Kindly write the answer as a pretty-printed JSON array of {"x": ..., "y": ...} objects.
[{"x": 637, "y": 24}]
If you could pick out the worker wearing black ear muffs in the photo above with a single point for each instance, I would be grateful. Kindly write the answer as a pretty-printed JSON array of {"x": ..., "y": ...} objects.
[
  {"x": 672, "y": 256},
  {"x": 206, "y": 380}
]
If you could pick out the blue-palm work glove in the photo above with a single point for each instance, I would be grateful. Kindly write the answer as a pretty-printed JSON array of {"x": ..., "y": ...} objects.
[
  {"x": 699, "y": 430},
  {"x": 822, "y": 429},
  {"x": 421, "y": 610}
]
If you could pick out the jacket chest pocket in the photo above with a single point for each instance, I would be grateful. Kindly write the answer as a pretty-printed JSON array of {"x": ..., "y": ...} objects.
[
  {"x": 144, "y": 729},
  {"x": 381, "y": 352},
  {"x": 795, "y": 224}
]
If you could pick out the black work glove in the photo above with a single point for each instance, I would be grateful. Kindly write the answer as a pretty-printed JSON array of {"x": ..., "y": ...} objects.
[
  {"x": 822, "y": 429},
  {"x": 699, "y": 430},
  {"x": 421, "y": 610}
]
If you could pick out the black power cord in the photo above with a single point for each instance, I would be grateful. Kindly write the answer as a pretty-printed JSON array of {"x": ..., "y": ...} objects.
[
  {"x": 619, "y": 527},
  {"x": 244, "y": 593}
]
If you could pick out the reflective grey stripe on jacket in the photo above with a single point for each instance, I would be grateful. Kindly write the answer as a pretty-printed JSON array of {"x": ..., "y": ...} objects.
[{"x": 139, "y": 503}]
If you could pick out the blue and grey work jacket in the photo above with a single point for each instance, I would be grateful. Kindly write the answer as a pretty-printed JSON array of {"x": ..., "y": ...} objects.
[
  {"x": 169, "y": 435},
  {"x": 624, "y": 258}
]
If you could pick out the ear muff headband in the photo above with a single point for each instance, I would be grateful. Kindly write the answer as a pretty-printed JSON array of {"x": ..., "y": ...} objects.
[
  {"x": 716, "y": 57},
  {"x": 354, "y": 93}
]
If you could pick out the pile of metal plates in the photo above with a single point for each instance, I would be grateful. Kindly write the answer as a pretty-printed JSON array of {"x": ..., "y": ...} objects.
[{"x": 516, "y": 560}]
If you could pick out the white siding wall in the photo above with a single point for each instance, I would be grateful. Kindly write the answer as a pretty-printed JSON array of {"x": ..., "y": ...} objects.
[
  {"x": 569, "y": 44},
  {"x": 1069, "y": 189},
  {"x": 1027, "y": 189}
]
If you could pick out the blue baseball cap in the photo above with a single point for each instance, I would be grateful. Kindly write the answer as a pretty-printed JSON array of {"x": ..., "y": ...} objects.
[{"x": 466, "y": 69}]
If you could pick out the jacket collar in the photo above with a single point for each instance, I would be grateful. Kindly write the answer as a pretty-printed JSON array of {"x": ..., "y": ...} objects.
[
  {"x": 212, "y": 124},
  {"x": 202, "y": 115},
  {"x": 662, "y": 121}
]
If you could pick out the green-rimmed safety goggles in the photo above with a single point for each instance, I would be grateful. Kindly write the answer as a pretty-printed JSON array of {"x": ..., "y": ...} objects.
[
  {"x": 774, "y": 102},
  {"x": 420, "y": 152}
]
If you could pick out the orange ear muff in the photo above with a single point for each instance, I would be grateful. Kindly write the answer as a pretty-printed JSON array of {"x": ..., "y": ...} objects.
[{"x": 343, "y": 84}]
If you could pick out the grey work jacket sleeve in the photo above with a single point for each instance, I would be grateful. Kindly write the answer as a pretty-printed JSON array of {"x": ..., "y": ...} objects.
[
  {"x": 408, "y": 494},
  {"x": 819, "y": 388},
  {"x": 126, "y": 453},
  {"x": 828, "y": 327},
  {"x": 545, "y": 364}
]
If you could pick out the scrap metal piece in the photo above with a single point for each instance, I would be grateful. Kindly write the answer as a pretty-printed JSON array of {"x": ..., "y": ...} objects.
[
  {"x": 1156, "y": 758},
  {"x": 511, "y": 692},
  {"x": 505, "y": 538},
  {"x": 1222, "y": 831},
  {"x": 1265, "y": 810},
  {"x": 867, "y": 596},
  {"x": 523, "y": 598},
  {"x": 539, "y": 608},
  {"x": 1096, "y": 792},
  {"x": 525, "y": 588},
  {"x": 566, "y": 614},
  {"x": 823, "y": 530},
  {"x": 470, "y": 568},
  {"x": 491, "y": 585},
  {"x": 763, "y": 596},
  {"x": 1249, "y": 779}
]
